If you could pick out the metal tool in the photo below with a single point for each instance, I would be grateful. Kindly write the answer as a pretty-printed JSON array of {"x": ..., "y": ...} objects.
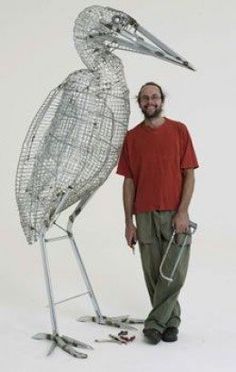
[
  {"x": 192, "y": 229},
  {"x": 112, "y": 338},
  {"x": 133, "y": 242},
  {"x": 123, "y": 335},
  {"x": 121, "y": 338}
]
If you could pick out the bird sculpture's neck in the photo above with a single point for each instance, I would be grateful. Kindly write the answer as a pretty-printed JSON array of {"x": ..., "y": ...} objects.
[{"x": 104, "y": 63}]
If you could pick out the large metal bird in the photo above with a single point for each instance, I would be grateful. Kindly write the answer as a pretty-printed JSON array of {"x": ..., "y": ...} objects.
[{"x": 75, "y": 138}]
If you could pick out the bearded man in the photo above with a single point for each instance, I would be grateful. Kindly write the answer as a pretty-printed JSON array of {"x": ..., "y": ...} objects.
[{"x": 158, "y": 162}]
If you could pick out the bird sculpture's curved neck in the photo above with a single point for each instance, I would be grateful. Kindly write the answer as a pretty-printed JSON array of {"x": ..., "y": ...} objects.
[{"x": 100, "y": 60}]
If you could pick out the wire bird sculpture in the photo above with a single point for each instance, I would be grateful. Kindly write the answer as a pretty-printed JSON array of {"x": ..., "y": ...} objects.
[{"x": 75, "y": 139}]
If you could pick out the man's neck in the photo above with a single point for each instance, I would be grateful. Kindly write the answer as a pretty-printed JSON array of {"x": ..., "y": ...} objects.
[{"x": 154, "y": 122}]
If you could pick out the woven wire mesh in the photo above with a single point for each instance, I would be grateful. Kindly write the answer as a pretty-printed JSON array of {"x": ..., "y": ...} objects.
[{"x": 75, "y": 138}]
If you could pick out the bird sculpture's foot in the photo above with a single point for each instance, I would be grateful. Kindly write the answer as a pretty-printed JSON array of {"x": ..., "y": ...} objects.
[
  {"x": 67, "y": 344},
  {"x": 122, "y": 321}
]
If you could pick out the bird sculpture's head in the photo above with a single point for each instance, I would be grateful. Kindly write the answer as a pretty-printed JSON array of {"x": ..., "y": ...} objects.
[{"x": 104, "y": 29}]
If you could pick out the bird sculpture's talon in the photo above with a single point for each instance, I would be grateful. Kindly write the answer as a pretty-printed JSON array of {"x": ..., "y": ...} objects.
[
  {"x": 71, "y": 341},
  {"x": 43, "y": 336},
  {"x": 70, "y": 350},
  {"x": 52, "y": 348},
  {"x": 65, "y": 343}
]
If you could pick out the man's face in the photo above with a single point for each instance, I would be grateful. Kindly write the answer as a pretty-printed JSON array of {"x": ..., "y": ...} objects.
[{"x": 150, "y": 102}]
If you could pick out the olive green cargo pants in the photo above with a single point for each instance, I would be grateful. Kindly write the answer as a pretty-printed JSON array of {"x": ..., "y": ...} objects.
[{"x": 154, "y": 232}]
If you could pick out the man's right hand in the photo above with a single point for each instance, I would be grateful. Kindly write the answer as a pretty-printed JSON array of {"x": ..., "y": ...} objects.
[{"x": 131, "y": 234}]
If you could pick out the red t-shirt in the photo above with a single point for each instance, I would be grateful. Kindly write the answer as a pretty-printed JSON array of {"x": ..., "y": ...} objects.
[{"x": 155, "y": 158}]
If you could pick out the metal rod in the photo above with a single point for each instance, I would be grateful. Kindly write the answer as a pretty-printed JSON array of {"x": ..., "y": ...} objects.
[
  {"x": 56, "y": 213},
  {"x": 140, "y": 42},
  {"x": 179, "y": 256},
  {"x": 86, "y": 279},
  {"x": 48, "y": 283},
  {"x": 60, "y": 227},
  {"x": 118, "y": 43},
  {"x": 70, "y": 298},
  {"x": 57, "y": 238},
  {"x": 76, "y": 212},
  {"x": 164, "y": 258}
]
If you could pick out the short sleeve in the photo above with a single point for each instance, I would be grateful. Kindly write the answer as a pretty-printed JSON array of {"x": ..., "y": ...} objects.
[
  {"x": 123, "y": 168},
  {"x": 188, "y": 156}
]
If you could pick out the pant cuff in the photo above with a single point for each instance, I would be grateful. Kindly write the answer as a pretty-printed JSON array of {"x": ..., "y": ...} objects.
[
  {"x": 173, "y": 323},
  {"x": 154, "y": 325}
]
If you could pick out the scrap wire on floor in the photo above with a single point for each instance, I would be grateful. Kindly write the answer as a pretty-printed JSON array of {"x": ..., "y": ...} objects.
[{"x": 122, "y": 338}]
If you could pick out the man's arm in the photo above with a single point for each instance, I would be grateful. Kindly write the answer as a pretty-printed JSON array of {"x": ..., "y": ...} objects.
[
  {"x": 181, "y": 219},
  {"x": 128, "y": 200}
]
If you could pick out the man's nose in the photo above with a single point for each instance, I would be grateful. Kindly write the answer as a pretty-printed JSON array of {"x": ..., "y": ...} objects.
[{"x": 150, "y": 99}]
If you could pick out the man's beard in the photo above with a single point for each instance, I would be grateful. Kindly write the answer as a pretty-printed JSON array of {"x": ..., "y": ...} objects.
[{"x": 155, "y": 114}]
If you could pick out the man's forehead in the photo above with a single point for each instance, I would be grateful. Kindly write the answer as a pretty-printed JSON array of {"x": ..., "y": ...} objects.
[{"x": 149, "y": 89}]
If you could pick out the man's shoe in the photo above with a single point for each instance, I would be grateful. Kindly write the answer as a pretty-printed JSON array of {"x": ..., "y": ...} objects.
[
  {"x": 152, "y": 335},
  {"x": 170, "y": 334}
]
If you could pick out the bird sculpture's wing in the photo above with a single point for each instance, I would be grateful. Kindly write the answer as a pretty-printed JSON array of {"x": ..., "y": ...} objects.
[
  {"x": 26, "y": 184},
  {"x": 71, "y": 144}
]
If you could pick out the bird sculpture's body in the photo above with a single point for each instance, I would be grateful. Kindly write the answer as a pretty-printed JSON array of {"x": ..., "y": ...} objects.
[
  {"x": 76, "y": 136},
  {"x": 75, "y": 139}
]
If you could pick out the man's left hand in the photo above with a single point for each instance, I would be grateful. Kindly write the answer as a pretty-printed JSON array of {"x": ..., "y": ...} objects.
[{"x": 181, "y": 222}]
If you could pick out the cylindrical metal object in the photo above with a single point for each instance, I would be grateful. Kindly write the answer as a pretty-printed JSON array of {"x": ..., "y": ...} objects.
[
  {"x": 72, "y": 218},
  {"x": 48, "y": 283}
]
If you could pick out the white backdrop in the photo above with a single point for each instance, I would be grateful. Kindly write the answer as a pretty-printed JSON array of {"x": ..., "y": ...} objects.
[{"x": 37, "y": 54}]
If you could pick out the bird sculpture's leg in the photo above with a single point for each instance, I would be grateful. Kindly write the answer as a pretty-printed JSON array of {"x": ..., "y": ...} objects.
[
  {"x": 65, "y": 343},
  {"x": 119, "y": 321}
]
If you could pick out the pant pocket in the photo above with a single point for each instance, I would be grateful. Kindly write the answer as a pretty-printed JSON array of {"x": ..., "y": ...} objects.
[{"x": 145, "y": 227}]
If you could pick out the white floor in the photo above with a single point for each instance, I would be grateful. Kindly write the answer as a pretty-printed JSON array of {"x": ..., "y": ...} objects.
[
  {"x": 30, "y": 69},
  {"x": 207, "y": 335}
]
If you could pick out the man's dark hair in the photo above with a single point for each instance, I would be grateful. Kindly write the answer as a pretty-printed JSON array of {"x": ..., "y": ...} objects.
[{"x": 155, "y": 85}]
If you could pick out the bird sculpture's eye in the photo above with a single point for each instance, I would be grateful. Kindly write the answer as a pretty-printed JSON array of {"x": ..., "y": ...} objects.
[
  {"x": 116, "y": 19},
  {"x": 118, "y": 22}
]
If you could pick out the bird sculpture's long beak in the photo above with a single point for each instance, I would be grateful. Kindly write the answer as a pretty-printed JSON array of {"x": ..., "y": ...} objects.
[
  {"x": 157, "y": 48},
  {"x": 139, "y": 40}
]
